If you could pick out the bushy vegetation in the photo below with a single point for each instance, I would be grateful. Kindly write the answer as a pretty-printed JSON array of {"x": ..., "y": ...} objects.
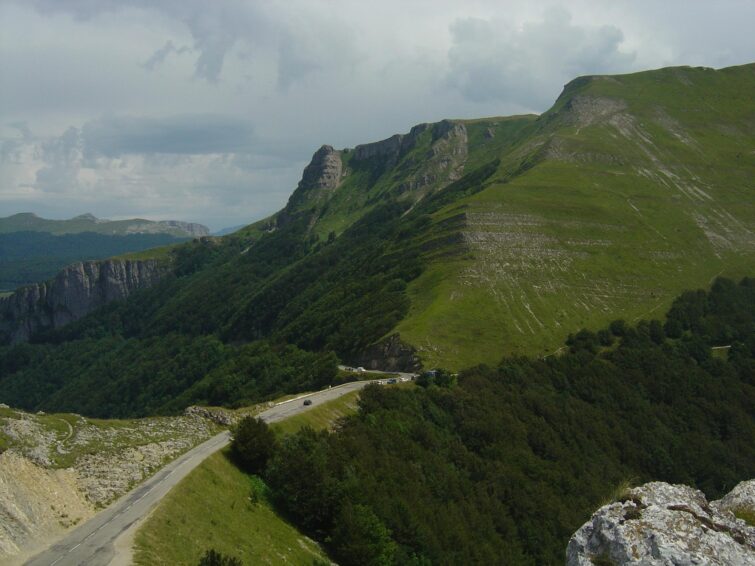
[
  {"x": 503, "y": 466},
  {"x": 31, "y": 257},
  {"x": 253, "y": 444}
]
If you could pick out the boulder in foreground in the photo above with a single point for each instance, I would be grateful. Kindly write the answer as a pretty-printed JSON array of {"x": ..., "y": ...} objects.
[{"x": 662, "y": 524}]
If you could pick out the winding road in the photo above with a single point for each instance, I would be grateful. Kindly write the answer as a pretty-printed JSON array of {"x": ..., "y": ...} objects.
[{"x": 92, "y": 543}]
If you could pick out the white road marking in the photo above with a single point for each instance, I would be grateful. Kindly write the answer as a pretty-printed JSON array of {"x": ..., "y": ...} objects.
[
  {"x": 74, "y": 548},
  {"x": 58, "y": 560}
]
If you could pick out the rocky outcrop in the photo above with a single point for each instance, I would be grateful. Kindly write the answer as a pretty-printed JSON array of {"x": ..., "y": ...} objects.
[
  {"x": 323, "y": 172},
  {"x": 320, "y": 178},
  {"x": 390, "y": 355},
  {"x": 741, "y": 499},
  {"x": 217, "y": 415},
  {"x": 413, "y": 175},
  {"x": 76, "y": 290},
  {"x": 660, "y": 524},
  {"x": 191, "y": 228}
]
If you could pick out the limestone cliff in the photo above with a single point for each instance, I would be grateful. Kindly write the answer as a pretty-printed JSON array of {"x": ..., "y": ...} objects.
[
  {"x": 337, "y": 186},
  {"x": 658, "y": 524},
  {"x": 74, "y": 292}
]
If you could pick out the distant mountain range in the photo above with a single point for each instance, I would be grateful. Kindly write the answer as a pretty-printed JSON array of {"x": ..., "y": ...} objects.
[{"x": 28, "y": 221}]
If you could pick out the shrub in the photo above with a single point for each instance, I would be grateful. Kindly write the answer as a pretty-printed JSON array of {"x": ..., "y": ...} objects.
[
  {"x": 253, "y": 444},
  {"x": 214, "y": 558}
]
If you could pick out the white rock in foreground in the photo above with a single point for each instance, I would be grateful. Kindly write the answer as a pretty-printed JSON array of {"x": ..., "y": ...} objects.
[{"x": 667, "y": 525}]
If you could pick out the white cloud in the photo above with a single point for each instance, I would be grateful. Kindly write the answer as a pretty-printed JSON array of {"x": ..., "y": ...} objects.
[{"x": 493, "y": 59}]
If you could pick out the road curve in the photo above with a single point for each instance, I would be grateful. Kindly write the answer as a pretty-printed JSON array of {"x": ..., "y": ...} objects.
[{"x": 92, "y": 542}]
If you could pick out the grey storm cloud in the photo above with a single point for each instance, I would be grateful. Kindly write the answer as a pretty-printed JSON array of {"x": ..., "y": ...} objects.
[
  {"x": 490, "y": 59},
  {"x": 184, "y": 134}
]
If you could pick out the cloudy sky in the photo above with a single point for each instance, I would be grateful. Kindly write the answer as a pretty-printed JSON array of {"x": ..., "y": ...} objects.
[{"x": 207, "y": 111}]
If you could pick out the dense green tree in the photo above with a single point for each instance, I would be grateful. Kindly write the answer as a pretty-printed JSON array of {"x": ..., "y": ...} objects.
[
  {"x": 253, "y": 444},
  {"x": 361, "y": 539}
]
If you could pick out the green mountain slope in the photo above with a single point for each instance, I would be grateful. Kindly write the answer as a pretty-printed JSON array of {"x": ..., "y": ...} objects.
[
  {"x": 635, "y": 188},
  {"x": 629, "y": 190},
  {"x": 469, "y": 238}
]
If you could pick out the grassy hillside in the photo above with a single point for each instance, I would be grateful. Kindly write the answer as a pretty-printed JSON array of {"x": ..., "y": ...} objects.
[
  {"x": 639, "y": 186},
  {"x": 236, "y": 520},
  {"x": 321, "y": 417}
]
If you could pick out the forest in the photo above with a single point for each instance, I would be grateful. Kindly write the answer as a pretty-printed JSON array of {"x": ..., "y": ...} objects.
[{"x": 502, "y": 464}]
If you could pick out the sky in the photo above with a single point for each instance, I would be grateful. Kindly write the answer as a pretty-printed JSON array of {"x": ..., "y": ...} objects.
[{"x": 207, "y": 111}]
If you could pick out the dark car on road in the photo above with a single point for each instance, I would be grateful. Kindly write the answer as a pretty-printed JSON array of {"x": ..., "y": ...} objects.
[{"x": 307, "y": 401}]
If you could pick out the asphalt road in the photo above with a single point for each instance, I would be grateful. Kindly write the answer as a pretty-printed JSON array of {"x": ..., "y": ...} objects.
[{"x": 92, "y": 542}]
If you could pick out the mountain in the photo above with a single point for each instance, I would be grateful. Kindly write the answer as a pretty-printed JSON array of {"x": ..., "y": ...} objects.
[
  {"x": 629, "y": 190},
  {"x": 30, "y": 222},
  {"x": 450, "y": 245}
]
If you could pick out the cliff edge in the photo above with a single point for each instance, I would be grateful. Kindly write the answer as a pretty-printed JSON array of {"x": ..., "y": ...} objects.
[{"x": 74, "y": 292}]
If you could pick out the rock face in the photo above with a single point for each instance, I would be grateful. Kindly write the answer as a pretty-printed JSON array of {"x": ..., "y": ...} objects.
[
  {"x": 417, "y": 174},
  {"x": 76, "y": 290},
  {"x": 661, "y": 524},
  {"x": 320, "y": 178},
  {"x": 35, "y": 504},
  {"x": 391, "y": 355},
  {"x": 324, "y": 171}
]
